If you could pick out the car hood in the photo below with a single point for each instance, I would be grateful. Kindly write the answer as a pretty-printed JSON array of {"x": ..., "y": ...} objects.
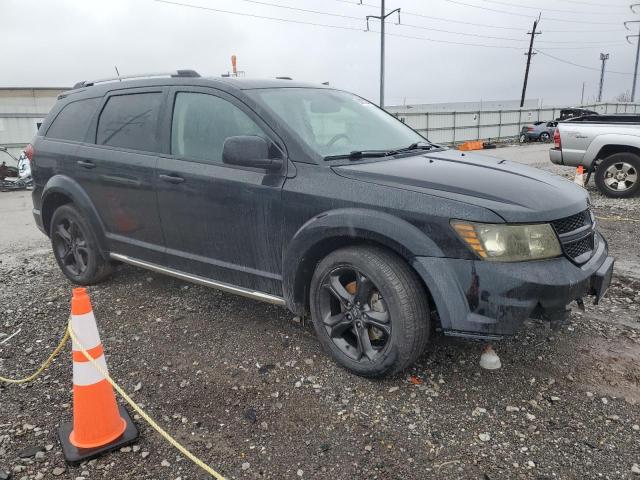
[{"x": 515, "y": 192}]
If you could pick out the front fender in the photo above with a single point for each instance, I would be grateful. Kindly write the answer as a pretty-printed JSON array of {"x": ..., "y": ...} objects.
[
  {"x": 601, "y": 141},
  {"x": 343, "y": 226},
  {"x": 63, "y": 185}
]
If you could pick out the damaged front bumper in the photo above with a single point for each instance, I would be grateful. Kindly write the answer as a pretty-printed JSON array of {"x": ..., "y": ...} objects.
[{"x": 484, "y": 299}]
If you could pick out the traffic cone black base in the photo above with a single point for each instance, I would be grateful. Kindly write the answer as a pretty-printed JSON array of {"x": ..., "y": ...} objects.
[{"x": 74, "y": 455}]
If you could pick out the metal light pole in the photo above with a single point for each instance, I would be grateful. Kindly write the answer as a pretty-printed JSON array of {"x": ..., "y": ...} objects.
[
  {"x": 604, "y": 57},
  {"x": 582, "y": 96},
  {"x": 635, "y": 69},
  {"x": 383, "y": 16}
]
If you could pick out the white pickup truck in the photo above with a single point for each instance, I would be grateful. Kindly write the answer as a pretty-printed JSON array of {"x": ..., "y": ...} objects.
[{"x": 606, "y": 145}]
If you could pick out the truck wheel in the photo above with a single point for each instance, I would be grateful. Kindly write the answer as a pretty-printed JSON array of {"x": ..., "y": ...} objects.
[
  {"x": 76, "y": 248},
  {"x": 617, "y": 175},
  {"x": 369, "y": 310}
]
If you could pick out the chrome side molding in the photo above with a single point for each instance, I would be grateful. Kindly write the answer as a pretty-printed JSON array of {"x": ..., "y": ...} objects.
[{"x": 226, "y": 287}]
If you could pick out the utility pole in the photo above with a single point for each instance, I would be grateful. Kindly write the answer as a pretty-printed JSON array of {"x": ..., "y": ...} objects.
[
  {"x": 533, "y": 33},
  {"x": 604, "y": 57},
  {"x": 383, "y": 16},
  {"x": 635, "y": 69},
  {"x": 582, "y": 96}
]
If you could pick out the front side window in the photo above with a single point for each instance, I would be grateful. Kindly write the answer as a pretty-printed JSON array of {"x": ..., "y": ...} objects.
[
  {"x": 130, "y": 121},
  {"x": 332, "y": 122},
  {"x": 201, "y": 123},
  {"x": 73, "y": 120}
]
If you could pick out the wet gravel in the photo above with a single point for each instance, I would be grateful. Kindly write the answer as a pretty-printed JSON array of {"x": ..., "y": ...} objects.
[{"x": 248, "y": 389}]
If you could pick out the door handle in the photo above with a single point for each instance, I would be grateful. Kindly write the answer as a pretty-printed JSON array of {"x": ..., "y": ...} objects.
[
  {"x": 86, "y": 163},
  {"x": 171, "y": 178}
]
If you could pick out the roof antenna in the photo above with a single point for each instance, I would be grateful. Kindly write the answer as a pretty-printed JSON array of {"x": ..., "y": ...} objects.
[{"x": 117, "y": 72}]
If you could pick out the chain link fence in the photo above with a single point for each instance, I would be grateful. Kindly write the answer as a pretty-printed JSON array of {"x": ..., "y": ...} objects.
[{"x": 494, "y": 125}]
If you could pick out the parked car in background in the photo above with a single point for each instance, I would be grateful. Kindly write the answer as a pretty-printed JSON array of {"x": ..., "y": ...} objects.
[
  {"x": 314, "y": 198},
  {"x": 567, "y": 113},
  {"x": 538, "y": 131},
  {"x": 605, "y": 145}
]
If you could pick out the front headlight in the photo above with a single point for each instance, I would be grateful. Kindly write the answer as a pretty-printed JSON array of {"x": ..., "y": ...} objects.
[{"x": 509, "y": 243}]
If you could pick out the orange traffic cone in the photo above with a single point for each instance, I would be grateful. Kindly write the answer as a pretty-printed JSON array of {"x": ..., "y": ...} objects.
[
  {"x": 579, "y": 178},
  {"x": 99, "y": 424}
]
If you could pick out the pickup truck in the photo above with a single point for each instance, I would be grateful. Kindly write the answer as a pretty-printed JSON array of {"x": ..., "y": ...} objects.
[{"x": 605, "y": 145}]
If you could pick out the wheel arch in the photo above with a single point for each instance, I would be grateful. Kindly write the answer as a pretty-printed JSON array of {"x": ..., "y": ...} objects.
[
  {"x": 62, "y": 190},
  {"x": 607, "y": 144},
  {"x": 342, "y": 228},
  {"x": 611, "y": 149}
]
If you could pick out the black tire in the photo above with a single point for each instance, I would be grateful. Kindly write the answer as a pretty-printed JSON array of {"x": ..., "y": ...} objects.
[
  {"x": 625, "y": 164},
  {"x": 75, "y": 247},
  {"x": 399, "y": 296},
  {"x": 545, "y": 137}
]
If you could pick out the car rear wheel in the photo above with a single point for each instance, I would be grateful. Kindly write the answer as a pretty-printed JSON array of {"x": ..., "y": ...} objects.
[
  {"x": 369, "y": 310},
  {"x": 545, "y": 137},
  {"x": 75, "y": 247},
  {"x": 618, "y": 175}
]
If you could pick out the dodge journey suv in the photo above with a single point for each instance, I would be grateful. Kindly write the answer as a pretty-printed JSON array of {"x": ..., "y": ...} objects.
[{"x": 313, "y": 198}]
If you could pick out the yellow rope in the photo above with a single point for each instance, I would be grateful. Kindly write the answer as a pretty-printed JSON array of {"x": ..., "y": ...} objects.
[
  {"x": 69, "y": 333},
  {"x": 143, "y": 414},
  {"x": 43, "y": 367}
]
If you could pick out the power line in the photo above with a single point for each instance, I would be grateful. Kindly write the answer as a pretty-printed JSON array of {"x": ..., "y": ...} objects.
[
  {"x": 316, "y": 24},
  {"x": 569, "y": 62},
  {"x": 483, "y": 25},
  {"x": 345, "y": 27},
  {"x": 594, "y": 4},
  {"x": 421, "y": 27},
  {"x": 546, "y": 19},
  {"x": 544, "y": 9}
]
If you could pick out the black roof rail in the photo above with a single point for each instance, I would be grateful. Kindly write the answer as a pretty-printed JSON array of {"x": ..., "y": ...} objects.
[{"x": 174, "y": 74}]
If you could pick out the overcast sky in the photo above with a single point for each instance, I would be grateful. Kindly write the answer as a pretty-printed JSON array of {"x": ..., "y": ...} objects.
[{"x": 59, "y": 42}]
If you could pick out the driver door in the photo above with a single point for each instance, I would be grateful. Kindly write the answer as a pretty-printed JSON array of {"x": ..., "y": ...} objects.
[{"x": 219, "y": 221}]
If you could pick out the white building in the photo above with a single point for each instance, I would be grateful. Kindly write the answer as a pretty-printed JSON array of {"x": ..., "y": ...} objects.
[{"x": 22, "y": 110}]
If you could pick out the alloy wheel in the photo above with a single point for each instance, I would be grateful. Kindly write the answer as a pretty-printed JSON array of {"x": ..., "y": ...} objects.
[
  {"x": 70, "y": 246},
  {"x": 354, "y": 314},
  {"x": 620, "y": 176}
]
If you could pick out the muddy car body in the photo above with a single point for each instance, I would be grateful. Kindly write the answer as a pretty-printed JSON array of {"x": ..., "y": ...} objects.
[{"x": 319, "y": 201}]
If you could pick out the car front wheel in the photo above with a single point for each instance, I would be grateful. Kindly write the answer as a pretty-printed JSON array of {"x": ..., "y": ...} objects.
[{"x": 369, "y": 310}]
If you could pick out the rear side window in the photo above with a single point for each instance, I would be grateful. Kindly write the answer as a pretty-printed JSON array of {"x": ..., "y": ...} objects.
[
  {"x": 201, "y": 124},
  {"x": 130, "y": 121},
  {"x": 72, "y": 121}
]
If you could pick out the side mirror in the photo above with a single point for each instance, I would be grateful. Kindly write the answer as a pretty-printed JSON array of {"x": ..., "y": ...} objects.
[{"x": 249, "y": 151}]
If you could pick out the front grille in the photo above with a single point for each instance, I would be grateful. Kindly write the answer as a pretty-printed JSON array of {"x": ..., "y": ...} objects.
[
  {"x": 575, "y": 249},
  {"x": 567, "y": 229},
  {"x": 574, "y": 222}
]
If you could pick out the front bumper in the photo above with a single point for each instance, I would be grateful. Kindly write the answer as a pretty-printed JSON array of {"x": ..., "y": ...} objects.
[
  {"x": 492, "y": 299},
  {"x": 555, "y": 155}
]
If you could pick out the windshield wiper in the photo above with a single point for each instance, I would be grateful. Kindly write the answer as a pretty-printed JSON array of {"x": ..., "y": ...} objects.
[
  {"x": 421, "y": 145},
  {"x": 357, "y": 154}
]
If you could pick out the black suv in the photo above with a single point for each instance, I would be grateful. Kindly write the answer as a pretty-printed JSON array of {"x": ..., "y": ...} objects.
[{"x": 313, "y": 198}]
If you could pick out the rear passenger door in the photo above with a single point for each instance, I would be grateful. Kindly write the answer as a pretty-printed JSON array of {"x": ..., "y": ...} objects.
[
  {"x": 219, "y": 221},
  {"x": 116, "y": 167}
]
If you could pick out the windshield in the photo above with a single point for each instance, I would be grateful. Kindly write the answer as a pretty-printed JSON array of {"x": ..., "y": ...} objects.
[{"x": 335, "y": 123}]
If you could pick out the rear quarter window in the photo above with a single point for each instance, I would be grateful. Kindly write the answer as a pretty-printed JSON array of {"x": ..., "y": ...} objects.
[
  {"x": 130, "y": 121},
  {"x": 72, "y": 121}
]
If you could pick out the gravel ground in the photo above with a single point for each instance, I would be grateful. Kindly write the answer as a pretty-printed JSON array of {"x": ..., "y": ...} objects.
[{"x": 249, "y": 390}]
